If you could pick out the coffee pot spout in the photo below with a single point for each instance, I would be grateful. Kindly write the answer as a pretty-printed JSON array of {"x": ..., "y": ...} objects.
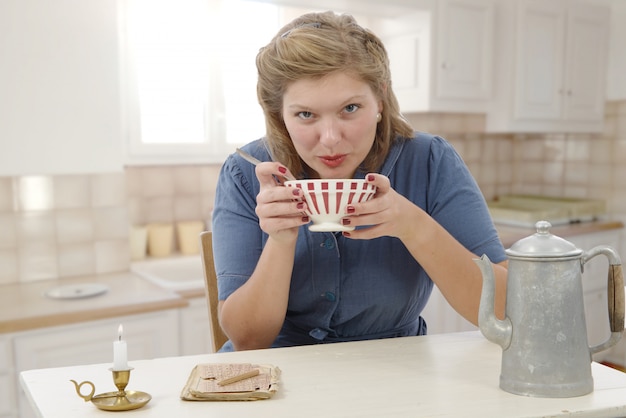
[{"x": 495, "y": 330}]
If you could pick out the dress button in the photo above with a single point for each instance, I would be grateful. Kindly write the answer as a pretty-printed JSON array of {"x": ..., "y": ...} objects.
[
  {"x": 330, "y": 296},
  {"x": 329, "y": 244}
]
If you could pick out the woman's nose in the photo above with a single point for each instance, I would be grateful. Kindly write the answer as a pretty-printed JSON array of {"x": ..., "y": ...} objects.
[{"x": 330, "y": 134}]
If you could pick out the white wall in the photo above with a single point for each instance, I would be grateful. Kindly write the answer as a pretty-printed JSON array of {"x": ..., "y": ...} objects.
[{"x": 59, "y": 87}]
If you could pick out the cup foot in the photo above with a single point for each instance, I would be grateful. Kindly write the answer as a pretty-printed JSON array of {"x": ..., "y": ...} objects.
[{"x": 329, "y": 227}]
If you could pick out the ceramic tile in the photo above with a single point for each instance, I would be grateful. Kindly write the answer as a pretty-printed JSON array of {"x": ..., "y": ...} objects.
[
  {"x": 504, "y": 149},
  {"x": 600, "y": 176},
  {"x": 576, "y": 174},
  {"x": 112, "y": 256},
  {"x": 8, "y": 233},
  {"x": 554, "y": 148},
  {"x": 37, "y": 260},
  {"x": 619, "y": 152},
  {"x": 489, "y": 154},
  {"x": 553, "y": 173},
  {"x": 187, "y": 180},
  {"x": 34, "y": 193},
  {"x": 74, "y": 226},
  {"x": 110, "y": 223},
  {"x": 76, "y": 259},
  {"x": 159, "y": 209},
  {"x": 531, "y": 149},
  {"x": 208, "y": 178},
  {"x": 6, "y": 194},
  {"x": 8, "y": 266},
  {"x": 137, "y": 211},
  {"x": 36, "y": 227},
  {"x": 578, "y": 149},
  {"x": 600, "y": 151},
  {"x": 134, "y": 182},
  {"x": 504, "y": 173},
  {"x": 108, "y": 190},
  {"x": 157, "y": 181},
  {"x": 187, "y": 208},
  {"x": 71, "y": 191},
  {"x": 532, "y": 173},
  {"x": 473, "y": 151},
  {"x": 475, "y": 123}
]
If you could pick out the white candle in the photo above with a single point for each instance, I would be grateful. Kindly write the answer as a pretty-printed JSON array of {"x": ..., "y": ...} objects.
[{"x": 119, "y": 352}]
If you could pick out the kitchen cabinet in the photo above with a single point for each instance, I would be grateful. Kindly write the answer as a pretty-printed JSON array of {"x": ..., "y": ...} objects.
[
  {"x": 149, "y": 335},
  {"x": 616, "y": 83},
  {"x": 551, "y": 67},
  {"x": 7, "y": 388},
  {"x": 195, "y": 328},
  {"x": 441, "y": 55}
]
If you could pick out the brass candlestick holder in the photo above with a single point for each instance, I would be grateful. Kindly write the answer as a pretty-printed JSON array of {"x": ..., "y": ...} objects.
[{"x": 122, "y": 400}]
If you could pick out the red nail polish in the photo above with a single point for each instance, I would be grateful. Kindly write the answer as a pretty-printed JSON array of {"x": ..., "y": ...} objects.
[
  {"x": 345, "y": 221},
  {"x": 350, "y": 209},
  {"x": 282, "y": 169},
  {"x": 296, "y": 192},
  {"x": 300, "y": 205},
  {"x": 305, "y": 219},
  {"x": 346, "y": 234},
  {"x": 370, "y": 177}
]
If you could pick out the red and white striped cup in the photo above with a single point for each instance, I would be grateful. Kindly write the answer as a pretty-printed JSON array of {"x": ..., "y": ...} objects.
[{"x": 327, "y": 199}]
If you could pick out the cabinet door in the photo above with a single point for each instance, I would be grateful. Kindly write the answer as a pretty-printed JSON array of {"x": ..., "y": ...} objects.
[
  {"x": 585, "y": 66},
  {"x": 195, "y": 328},
  {"x": 540, "y": 52},
  {"x": 465, "y": 45}
]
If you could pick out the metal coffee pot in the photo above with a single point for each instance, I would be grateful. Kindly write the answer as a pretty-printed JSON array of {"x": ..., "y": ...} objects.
[{"x": 544, "y": 335}]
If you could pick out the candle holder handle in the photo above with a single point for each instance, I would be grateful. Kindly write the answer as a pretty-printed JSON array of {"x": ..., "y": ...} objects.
[{"x": 78, "y": 387}]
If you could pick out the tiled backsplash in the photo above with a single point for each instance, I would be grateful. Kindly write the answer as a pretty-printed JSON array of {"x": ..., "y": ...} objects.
[
  {"x": 61, "y": 226},
  {"x": 73, "y": 225}
]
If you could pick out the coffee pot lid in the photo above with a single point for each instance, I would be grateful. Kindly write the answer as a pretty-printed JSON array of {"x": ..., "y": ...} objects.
[{"x": 543, "y": 244}]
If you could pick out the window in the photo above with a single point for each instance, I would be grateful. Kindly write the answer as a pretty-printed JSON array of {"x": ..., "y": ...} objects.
[{"x": 191, "y": 76}]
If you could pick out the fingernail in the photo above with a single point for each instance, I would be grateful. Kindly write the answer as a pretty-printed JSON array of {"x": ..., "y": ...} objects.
[
  {"x": 296, "y": 192},
  {"x": 346, "y": 234},
  {"x": 282, "y": 169},
  {"x": 305, "y": 219},
  {"x": 370, "y": 177},
  {"x": 345, "y": 221},
  {"x": 300, "y": 205},
  {"x": 350, "y": 209}
]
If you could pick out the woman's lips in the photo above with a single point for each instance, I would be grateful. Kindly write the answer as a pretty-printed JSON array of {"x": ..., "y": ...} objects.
[{"x": 333, "y": 160}]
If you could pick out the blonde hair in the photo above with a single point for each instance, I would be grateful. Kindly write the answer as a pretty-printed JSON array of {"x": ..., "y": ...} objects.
[{"x": 312, "y": 46}]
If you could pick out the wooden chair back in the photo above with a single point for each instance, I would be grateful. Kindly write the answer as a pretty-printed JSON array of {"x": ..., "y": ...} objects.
[{"x": 210, "y": 287}]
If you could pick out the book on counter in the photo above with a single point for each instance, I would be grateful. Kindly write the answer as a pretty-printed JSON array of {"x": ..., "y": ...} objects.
[{"x": 231, "y": 382}]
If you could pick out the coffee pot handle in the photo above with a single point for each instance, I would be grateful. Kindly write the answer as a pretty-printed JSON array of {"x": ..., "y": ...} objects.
[{"x": 615, "y": 293}]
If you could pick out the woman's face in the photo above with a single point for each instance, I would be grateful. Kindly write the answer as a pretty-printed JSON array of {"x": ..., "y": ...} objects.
[{"x": 331, "y": 122}]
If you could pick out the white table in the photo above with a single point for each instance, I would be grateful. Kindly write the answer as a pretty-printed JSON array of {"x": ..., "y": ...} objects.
[{"x": 440, "y": 375}]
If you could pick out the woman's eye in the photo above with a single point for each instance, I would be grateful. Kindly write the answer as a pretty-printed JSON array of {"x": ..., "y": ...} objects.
[
  {"x": 351, "y": 108},
  {"x": 305, "y": 115}
]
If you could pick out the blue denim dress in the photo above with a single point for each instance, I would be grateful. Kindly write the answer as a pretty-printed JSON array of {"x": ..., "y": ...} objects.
[{"x": 343, "y": 289}]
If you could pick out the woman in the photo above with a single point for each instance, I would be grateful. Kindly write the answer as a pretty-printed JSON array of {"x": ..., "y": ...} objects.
[{"x": 325, "y": 88}]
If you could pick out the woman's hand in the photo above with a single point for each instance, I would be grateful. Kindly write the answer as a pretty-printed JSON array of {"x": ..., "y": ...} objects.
[
  {"x": 279, "y": 214},
  {"x": 388, "y": 213}
]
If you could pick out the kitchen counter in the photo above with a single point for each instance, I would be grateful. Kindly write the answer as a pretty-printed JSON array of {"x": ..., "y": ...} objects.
[
  {"x": 509, "y": 235},
  {"x": 24, "y": 306},
  {"x": 445, "y": 375}
]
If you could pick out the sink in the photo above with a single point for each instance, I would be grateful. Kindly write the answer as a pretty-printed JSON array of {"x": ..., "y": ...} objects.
[{"x": 172, "y": 273}]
